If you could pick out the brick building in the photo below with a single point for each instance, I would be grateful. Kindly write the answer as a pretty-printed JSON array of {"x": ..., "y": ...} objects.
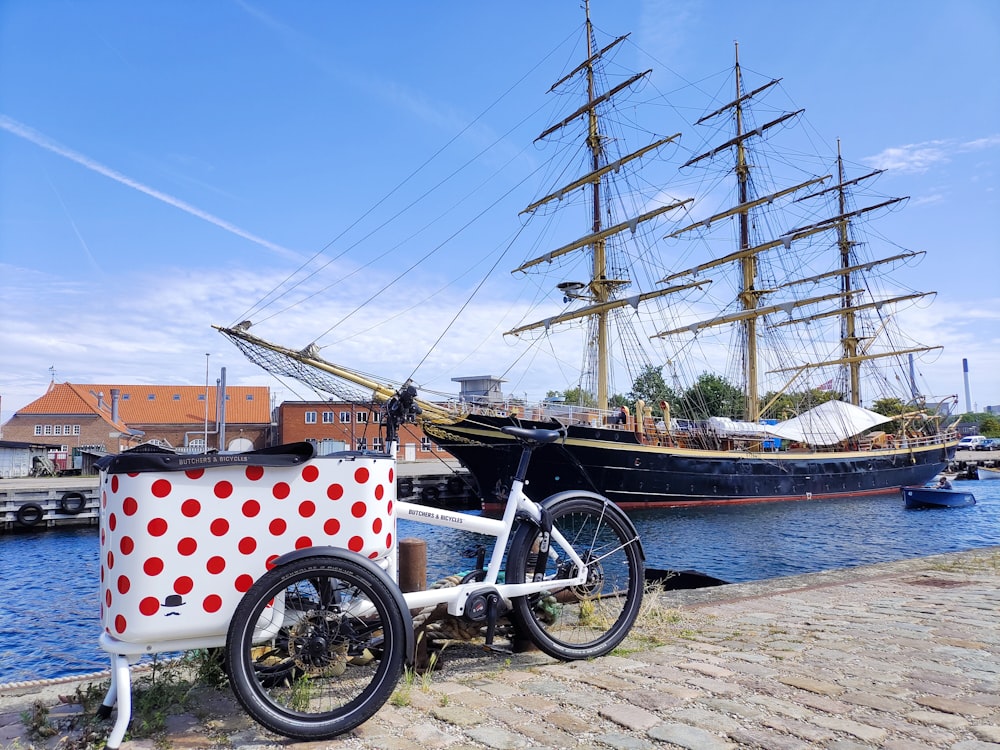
[
  {"x": 333, "y": 426},
  {"x": 112, "y": 418}
]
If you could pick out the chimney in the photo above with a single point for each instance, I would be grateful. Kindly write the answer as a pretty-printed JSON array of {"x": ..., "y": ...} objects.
[
  {"x": 114, "y": 404},
  {"x": 100, "y": 400},
  {"x": 968, "y": 397}
]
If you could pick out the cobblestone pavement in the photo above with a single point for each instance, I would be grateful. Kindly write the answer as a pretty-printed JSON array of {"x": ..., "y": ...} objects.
[{"x": 900, "y": 656}]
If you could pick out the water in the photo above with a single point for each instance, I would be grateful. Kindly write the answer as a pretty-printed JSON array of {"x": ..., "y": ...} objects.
[{"x": 49, "y": 617}]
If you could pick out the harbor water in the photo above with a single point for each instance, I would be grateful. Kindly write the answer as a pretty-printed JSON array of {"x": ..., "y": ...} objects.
[{"x": 49, "y": 616}]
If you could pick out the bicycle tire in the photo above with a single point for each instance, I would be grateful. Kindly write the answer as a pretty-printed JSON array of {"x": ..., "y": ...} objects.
[
  {"x": 300, "y": 663},
  {"x": 585, "y": 621}
]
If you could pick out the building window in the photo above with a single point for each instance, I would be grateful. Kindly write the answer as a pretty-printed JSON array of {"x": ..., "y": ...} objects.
[
  {"x": 362, "y": 444},
  {"x": 76, "y": 429},
  {"x": 48, "y": 429},
  {"x": 197, "y": 444},
  {"x": 201, "y": 396},
  {"x": 377, "y": 416},
  {"x": 57, "y": 430},
  {"x": 38, "y": 429},
  {"x": 345, "y": 417},
  {"x": 377, "y": 444},
  {"x": 125, "y": 396},
  {"x": 177, "y": 397},
  {"x": 151, "y": 397},
  {"x": 312, "y": 442},
  {"x": 67, "y": 429},
  {"x": 328, "y": 417},
  {"x": 361, "y": 417},
  {"x": 425, "y": 444},
  {"x": 249, "y": 397},
  {"x": 310, "y": 417}
]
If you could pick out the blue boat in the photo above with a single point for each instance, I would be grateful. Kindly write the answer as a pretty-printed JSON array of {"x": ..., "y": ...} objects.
[{"x": 932, "y": 497}]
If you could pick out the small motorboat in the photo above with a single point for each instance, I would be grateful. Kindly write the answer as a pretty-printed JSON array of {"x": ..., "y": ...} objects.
[
  {"x": 987, "y": 472},
  {"x": 934, "y": 497}
]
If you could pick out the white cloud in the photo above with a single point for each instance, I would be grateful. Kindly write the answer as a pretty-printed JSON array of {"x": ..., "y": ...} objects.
[{"x": 920, "y": 157}]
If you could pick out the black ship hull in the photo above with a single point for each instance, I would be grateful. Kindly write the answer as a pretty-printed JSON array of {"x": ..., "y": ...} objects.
[{"x": 635, "y": 473}]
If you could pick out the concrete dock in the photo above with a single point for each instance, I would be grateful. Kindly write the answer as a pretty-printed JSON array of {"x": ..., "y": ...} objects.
[{"x": 899, "y": 655}]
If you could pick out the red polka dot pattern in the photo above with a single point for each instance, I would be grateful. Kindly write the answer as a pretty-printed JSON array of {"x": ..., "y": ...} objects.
[{"x": 190, "y": 544}]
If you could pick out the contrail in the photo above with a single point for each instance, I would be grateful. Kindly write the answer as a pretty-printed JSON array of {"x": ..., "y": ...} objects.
[{"x": 32, "y": 135}]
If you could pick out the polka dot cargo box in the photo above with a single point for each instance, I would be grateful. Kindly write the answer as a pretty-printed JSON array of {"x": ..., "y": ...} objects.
[{"x": 183, "y": 537}]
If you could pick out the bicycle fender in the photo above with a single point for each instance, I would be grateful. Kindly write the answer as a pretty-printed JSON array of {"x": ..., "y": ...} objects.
[
  {"x": 610, "y": 506},
  {"x": 346, "y": 554}
]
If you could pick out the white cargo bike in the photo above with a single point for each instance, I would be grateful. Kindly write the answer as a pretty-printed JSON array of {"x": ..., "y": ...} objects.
[{"x": 288, "y": 561}]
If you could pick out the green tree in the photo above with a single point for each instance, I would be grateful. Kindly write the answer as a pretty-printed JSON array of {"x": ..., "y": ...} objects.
[
  {"x": 711, "y": 396},
  {"x": 989, "y": 426},
  {"x": 651, "y": 387},
  {"x": 889, "y": 407},
  {"x": 579, "y": 397}
]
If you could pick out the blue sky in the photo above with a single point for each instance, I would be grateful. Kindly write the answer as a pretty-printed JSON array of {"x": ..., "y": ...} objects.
[{"x": 164, "y": 165}]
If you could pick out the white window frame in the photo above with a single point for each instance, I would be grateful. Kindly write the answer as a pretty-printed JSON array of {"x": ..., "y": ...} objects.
[
  {"x": 310, "y": 417},
  {"x": 345, "y": 417},
  {"x": 328, "y": 417}
]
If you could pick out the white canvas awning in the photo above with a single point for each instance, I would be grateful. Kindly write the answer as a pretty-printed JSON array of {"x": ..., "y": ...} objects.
[
  {"x": 733, "y": 428},
  {"x": 828, "y": 423}
]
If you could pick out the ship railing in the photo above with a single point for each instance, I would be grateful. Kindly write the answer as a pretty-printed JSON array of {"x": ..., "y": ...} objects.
[{"x": 545, "y": 410}]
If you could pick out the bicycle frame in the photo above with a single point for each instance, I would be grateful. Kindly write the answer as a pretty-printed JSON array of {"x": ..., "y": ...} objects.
[
  {"x": 501, "y": 529},
  {"x": 401, "y": 408}
]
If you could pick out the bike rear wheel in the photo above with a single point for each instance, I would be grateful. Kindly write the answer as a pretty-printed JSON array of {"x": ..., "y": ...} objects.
[
  {"x": 316, "y": 647},
  {"x": 588, "y": 620}
]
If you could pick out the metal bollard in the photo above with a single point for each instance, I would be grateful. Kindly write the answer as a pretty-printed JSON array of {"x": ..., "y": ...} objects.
[{"x": 412, "y": 564}]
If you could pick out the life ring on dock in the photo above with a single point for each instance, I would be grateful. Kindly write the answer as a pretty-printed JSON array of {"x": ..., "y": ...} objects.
[
  {"x": 72, "y": 503},
  {"x": 30, "y": 514}
]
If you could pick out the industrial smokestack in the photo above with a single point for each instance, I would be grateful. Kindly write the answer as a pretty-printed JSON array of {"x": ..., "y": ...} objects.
[{"x": 968, "y": 398}]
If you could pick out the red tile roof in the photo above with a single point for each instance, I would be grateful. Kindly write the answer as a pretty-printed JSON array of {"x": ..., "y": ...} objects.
[{"x": 155, "y": 404}]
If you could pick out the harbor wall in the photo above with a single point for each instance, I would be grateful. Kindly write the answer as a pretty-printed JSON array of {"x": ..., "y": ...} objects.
[{"x": 48, "y": 503}]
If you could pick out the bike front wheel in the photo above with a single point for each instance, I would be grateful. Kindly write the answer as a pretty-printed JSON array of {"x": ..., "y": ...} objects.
[
  {"x": 316, "y": 647},
  {"x": 589, "y": 619}
]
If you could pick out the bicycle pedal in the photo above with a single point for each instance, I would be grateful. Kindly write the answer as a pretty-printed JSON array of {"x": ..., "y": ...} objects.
[{"x": 491, "y": 649}]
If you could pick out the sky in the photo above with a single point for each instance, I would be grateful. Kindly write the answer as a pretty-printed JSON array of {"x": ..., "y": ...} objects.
[{"x": 165, "y": 165}]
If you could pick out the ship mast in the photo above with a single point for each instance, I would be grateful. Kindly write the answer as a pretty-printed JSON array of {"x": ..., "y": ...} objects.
[
  {"x": 749, "y": 295},
  {"x": 602, "y": 292},
  {"x": 600, "y": 288},
  {"x": 849, "y": 337}
]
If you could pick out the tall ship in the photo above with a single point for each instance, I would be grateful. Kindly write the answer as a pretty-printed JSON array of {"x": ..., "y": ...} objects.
[{"x": 731, "y": 297}]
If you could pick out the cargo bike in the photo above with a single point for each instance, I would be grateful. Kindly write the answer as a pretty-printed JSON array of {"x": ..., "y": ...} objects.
[{"x": 288, "y": 561}]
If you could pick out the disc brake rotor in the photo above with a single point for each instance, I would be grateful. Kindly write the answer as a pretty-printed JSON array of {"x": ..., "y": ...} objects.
[{"x": 316, "y": 645}]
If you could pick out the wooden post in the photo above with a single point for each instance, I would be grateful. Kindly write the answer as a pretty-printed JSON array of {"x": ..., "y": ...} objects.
[{"x": 412, "y": 565}]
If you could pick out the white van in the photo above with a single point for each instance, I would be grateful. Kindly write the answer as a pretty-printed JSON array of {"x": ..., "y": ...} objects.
[{"x": 970, "y": 442}]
